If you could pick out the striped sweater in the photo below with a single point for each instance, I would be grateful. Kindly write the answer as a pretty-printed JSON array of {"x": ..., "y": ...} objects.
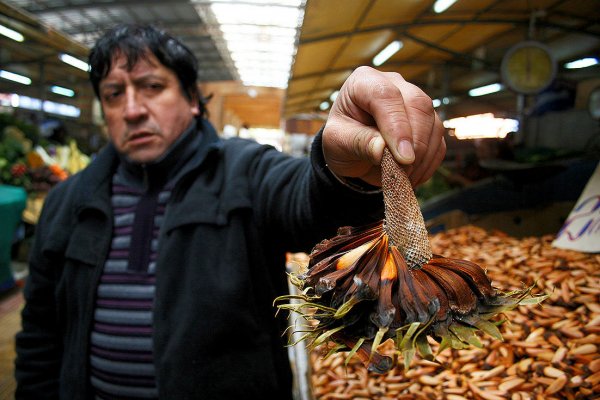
[
  {"x": 121, "y": 341},
  {"x": 121, "y": 353}
]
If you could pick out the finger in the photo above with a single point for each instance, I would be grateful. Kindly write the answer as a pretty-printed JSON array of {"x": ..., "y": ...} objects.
[
  {"x": 426, "y": 169},
  {"x": 434, "y": 164},
  {"x": 367, "y": 144},
  {"x": 350, "y": 148},
  {"x": 421, "y": 114},
  {"x": 426, "y": 165},
  {"x": 379, "y": 96}
]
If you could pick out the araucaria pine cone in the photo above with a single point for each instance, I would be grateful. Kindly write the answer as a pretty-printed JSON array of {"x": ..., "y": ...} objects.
[{"x": 382, "y": 281}]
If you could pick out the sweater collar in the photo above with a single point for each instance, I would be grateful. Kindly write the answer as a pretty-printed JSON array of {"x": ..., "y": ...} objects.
[
  {"x": 96, "y": 178},
  {"x": 155, "y": 174}
]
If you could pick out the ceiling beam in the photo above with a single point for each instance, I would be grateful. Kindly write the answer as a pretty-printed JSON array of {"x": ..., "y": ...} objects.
[
  {"x": 173, "y": 28},
  {"x": 453, "y": 53},
  {"x": 387, "y": 64},
  {"x": 488, "y": 21},
  {"x": 95, "y": 5},
  {"x": 48, "y": 37}
]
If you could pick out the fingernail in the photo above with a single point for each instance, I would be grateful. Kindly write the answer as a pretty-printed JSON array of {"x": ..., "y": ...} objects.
[{"x": 407, "y": 154}]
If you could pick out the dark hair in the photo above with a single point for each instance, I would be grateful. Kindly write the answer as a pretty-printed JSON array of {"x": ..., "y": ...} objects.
[{"x": 135, "y": 42}]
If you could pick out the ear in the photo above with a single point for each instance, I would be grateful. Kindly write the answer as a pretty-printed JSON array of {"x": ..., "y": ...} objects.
[{"x": 194, "y": 102}]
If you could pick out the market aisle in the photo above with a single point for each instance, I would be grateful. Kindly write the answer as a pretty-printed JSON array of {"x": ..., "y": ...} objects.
[{"x": 10, "y": 322}]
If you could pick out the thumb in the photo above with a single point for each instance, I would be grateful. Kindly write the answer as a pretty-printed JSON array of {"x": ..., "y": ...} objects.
[
  {"x": 370, "y": 145},
  {"x": 351, "y": 148}
]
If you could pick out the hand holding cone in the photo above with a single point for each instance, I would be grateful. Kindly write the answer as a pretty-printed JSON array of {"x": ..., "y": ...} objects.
[{"x": 381, "y": 281}]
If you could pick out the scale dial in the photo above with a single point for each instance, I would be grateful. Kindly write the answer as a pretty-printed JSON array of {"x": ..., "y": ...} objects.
[{"x": 528, "y": 67}]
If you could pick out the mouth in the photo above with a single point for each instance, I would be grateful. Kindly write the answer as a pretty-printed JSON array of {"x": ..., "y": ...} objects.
[{"x": 139, "y": 138}]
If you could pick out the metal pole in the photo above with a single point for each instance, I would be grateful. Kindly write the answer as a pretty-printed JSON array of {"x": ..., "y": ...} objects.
[
  {"x": 41, "y": 92},
  {"x": 521, "y": 98}
]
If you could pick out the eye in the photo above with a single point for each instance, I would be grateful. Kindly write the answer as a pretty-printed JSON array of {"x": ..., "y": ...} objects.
[
  {"x": 111, "y": 95},
  {"x": 154, "y": 86}
]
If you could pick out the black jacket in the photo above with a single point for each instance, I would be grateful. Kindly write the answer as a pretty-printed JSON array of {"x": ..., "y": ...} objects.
[{"x": 220, "y": 264}]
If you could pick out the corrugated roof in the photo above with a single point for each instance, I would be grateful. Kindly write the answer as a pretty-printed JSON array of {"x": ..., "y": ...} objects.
[
  {"x": 85, "y": 21},
  {"x": 446, "y": 53}
]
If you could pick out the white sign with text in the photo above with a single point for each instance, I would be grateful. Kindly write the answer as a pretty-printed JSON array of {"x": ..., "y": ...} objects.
[{"x": 581, "y": 230}]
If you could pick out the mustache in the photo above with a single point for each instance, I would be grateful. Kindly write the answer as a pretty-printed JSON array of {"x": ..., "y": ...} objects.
[{"x": 139, "y": 130}]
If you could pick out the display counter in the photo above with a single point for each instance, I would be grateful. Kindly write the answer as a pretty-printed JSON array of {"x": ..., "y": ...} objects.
[
  {"x": 531, "y": 201},
  {"x": 12, "y": 203}
]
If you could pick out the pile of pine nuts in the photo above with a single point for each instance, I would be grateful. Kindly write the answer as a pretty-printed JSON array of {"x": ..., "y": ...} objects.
[{"x": 549, "y": 351}]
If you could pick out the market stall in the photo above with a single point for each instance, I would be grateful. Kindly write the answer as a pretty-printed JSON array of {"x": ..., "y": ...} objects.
[{"x": 29, "y": 168}]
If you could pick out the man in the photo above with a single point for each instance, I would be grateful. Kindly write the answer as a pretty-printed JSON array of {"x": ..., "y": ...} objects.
[{"x": 154, "y": 270}]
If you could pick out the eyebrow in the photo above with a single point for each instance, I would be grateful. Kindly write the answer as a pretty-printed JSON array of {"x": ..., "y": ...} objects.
[
  {"x": 142, "y": 78},
  {"x": 105, "y": 85}
]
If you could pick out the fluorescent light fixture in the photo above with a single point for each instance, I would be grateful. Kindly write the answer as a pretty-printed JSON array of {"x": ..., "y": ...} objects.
[
  {"x": 258, "y": 12},
  {"x": 487, "y": 89},
  {"x": 270, "y": 48},
  {"x": 387, "y": 52},
  {"x": 254, "y": 57},
  {"x": 9, "y": 33},
  {"x": 334, "y": 95},
  {"x": 287, "y": 42},
  {"x": 481, "y": 126},
  {"x": 11, "y": 76},
  {"x": 257, "y": 30},
  {"x": 324, "y": 106},
  {"x": 61, "y": 109},
  {"x": 442, "y": 5},
  {"x": 260, "y": 36},
  {"x": 31, "y": 103},
  {"x": 62, "y": 91},
  {"x": 582, "y": 63},
  {"x": 74, "y": 62}
]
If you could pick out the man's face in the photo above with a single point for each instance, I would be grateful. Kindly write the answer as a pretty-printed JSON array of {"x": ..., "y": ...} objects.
[{"x": 145, "y": 109}]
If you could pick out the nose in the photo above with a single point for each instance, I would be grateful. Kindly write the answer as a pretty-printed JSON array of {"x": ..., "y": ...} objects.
[{"x": 135, "y": 108}]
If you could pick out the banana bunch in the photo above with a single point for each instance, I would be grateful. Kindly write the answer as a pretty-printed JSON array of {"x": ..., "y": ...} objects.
[
  {"x": 76, "y": 159},
  {"x": 68, "y": 157}
]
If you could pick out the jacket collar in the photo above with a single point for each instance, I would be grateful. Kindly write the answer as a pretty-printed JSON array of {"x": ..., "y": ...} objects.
[
  {"x": 93, "y": 187},
  {"x": 152, "y": 176}
]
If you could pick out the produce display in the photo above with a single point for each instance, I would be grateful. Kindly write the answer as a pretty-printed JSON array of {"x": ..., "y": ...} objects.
[
  {"x": 550, "y": 351},
  {"x": 383, "y": 281},
  {"x": 34, "y": 167},
  {"x": 25, "y": 162}
]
